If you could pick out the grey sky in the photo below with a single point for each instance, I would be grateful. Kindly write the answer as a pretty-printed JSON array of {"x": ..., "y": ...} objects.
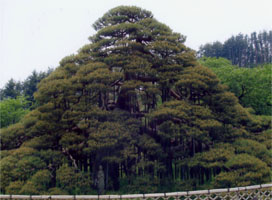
[{"x": 37, "y": 34}]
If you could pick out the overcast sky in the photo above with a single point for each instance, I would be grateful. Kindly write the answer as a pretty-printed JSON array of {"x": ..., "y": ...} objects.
[{"x": 37, "y": 34}]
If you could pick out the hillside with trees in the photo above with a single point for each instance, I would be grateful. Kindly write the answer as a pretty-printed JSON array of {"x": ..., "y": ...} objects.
[
  {"x": 252, "y": 86},
  {"x": 242, "y": 50},
  {"x": 135, "y": 101}
]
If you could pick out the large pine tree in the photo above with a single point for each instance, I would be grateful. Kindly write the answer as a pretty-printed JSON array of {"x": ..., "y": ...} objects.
[{"x": 135, "y": 101}]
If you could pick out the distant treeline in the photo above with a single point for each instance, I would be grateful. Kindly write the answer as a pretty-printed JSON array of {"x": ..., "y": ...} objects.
[
  {"x": 13, "y": 88},
  {"x": 243, "y": 50},
  {"x": 17, "y": 98}
]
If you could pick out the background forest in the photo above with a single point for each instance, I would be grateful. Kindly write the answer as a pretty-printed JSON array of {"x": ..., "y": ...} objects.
[
  {"x": 138, "y": 102},
  {"x": 242, "y": 50}
]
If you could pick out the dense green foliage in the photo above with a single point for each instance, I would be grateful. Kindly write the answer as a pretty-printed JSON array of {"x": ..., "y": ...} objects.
[
  {"x": 252, "y": 86},
  {"x": 242, "y": 50},
  {"x": 12, "y": 110},
  {"x": 136, "y": 101}
]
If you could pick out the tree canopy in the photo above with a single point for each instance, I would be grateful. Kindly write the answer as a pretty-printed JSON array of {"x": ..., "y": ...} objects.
[{"x": 135, "y": 101}]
